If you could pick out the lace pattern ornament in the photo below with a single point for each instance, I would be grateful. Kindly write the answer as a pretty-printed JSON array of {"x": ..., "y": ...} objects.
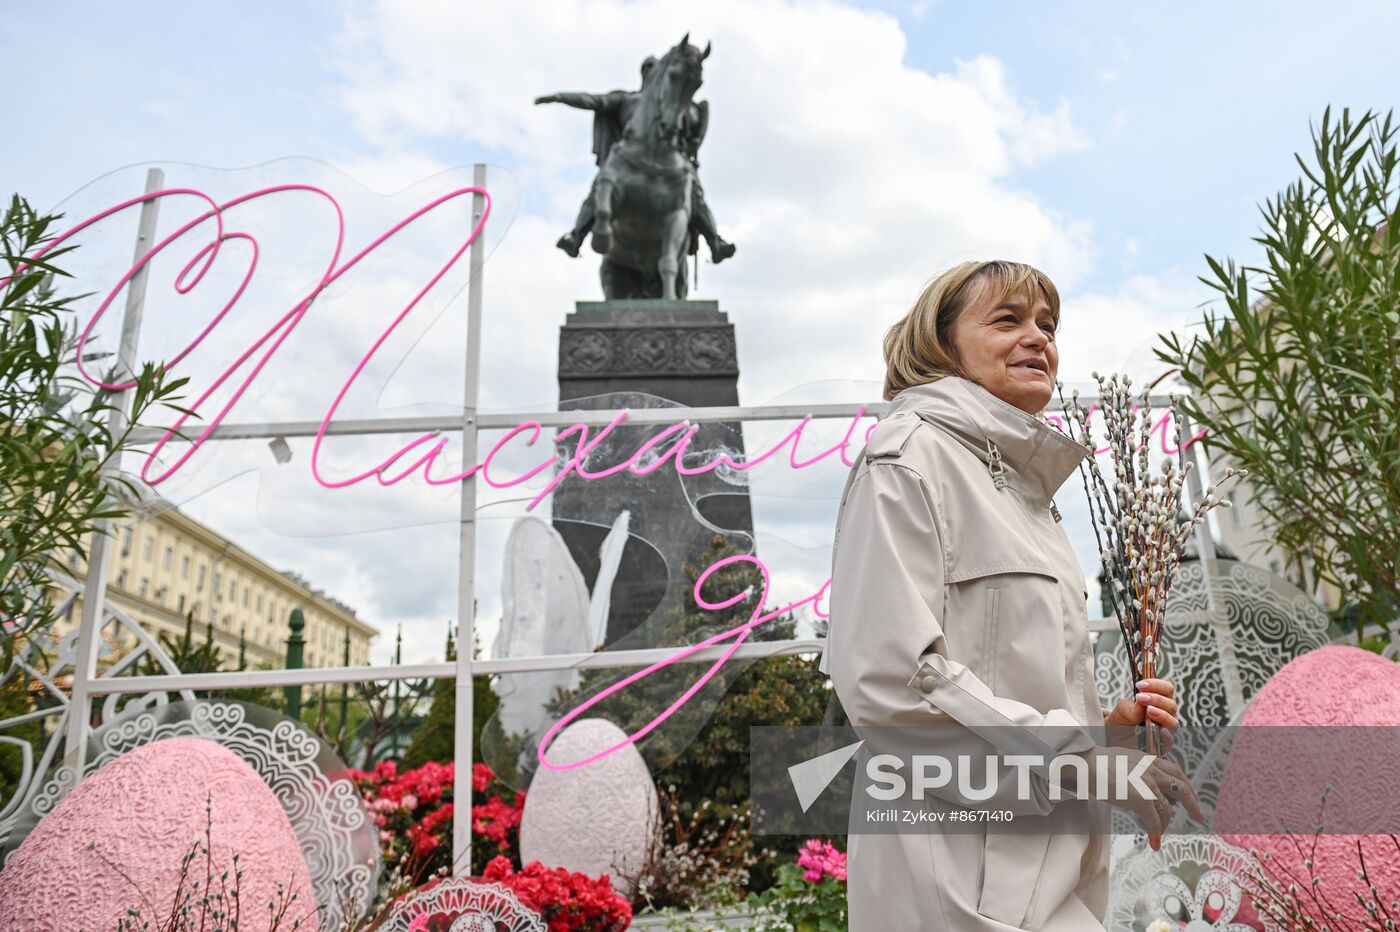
[
  {"x": 117, "y": 842},
  {"x": 1189, "y": 883},
  {"x": 478, "y": 906},
  {"x": 332, "y": 825}
]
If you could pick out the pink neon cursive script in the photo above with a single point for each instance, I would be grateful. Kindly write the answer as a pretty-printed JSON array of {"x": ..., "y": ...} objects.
[
  {"x": 199, "y": 265},
  {"x": 196, "y": 268},
  {"x": 739, "y": 633},
  {"x": 186, "y": 281}
]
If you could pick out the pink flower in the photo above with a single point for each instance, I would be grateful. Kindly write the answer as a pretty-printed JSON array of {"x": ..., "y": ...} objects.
[{"x": 821, "y": 858}]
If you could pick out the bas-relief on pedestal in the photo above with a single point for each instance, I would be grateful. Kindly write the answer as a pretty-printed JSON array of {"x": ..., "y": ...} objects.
[{"x": 627, "y": 339}]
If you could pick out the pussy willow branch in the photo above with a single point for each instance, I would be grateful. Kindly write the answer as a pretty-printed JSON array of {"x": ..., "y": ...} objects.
[
  {"x": 1301, "y": 902},
  {"x": 1142, "y": 541},
  {"x": 1102, "y": 521}
]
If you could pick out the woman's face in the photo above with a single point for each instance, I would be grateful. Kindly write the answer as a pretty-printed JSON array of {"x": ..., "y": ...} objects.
[{"x": 996, "y": 342}]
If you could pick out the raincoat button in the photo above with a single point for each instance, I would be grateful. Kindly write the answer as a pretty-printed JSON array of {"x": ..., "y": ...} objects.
[{"x": 928, "y": 683}]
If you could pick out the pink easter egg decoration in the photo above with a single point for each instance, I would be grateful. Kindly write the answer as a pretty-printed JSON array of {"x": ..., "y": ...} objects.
[
  {"x": 142, "y": 813},
  {"x": 1276, "y": 773}
]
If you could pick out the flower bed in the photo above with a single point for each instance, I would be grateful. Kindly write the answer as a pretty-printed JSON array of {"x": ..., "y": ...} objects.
[
  {"x": 414, "y": 813},
  {"x": 565, "y": 900},
  {"x": 809, "y": 896}
]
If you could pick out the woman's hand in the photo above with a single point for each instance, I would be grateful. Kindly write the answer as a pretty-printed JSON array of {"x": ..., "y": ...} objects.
[
  {"x": 1155, "y": 702},
  {"x": 1165, "y": 780}
]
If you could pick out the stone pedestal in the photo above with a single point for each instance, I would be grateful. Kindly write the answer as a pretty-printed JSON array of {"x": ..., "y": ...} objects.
[{"x": 648, "y": 353}]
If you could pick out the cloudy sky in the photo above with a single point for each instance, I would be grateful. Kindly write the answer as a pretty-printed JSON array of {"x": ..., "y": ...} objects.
[{"x": 854, "y": 151}]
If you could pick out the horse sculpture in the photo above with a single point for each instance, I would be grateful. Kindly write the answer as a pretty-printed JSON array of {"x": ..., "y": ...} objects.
[{"x": 644, "y": 194}]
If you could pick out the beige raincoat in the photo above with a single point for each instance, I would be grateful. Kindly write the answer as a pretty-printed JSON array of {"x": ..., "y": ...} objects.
[{"x": 953, "y": 600}]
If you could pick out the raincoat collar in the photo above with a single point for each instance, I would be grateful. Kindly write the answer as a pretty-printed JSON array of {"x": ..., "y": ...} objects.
[{"x": 1037, "y": 457}]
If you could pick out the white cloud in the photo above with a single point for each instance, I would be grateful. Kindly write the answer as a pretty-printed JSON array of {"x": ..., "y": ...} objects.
[
  {"x": 1116, "y": 331},
  {"x": 163, "y": 107},
  {"x": 846, "y": 177},
  {"x": 390, "y": 170}
]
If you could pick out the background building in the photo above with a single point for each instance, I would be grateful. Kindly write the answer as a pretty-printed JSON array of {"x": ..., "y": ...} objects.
[
  {"x": 166, "y": 567},
  {"x": 1241, "y": 528}
]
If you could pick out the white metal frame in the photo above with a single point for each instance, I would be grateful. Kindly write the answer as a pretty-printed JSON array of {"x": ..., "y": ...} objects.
[{"x": 86, "y": 685}]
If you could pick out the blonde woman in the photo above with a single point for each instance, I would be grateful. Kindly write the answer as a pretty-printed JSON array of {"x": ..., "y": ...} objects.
[{"x": 956, "y": 598}]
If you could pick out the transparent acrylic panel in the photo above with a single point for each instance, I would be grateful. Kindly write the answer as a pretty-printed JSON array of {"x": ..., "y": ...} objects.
[
  {"x": 322, "y": 300},
  {"x": 562, "y": 567},
  {"x": 619, "y": 567}
]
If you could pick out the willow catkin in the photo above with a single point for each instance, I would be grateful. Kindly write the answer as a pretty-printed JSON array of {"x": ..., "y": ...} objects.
[{"x": 1134, "y": 512}]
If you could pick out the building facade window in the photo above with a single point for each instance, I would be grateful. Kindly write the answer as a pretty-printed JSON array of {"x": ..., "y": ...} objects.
[
  {"x": 168, "y": 559},
  {"x": 258, "y": 606},
  {"x": 232, "y": 589},
  {"x": 144, "y": 587},
  {"x": 199, "y": 578},
  {"x": 213, "y": 614},
  {"x": 127, "y": 537},
  {"x": 1235, "y": 510},
  {"x": 148, "y": 548},
  {"x": 180, "y": 604},
  {"x": 194, "y": 612},
  {"x": 185, "y": 567},
  {"x": 160, "y": 594},
  {"x": 245, "y": 596}
]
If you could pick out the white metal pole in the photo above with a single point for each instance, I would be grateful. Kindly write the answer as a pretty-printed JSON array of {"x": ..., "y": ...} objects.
[
  {"x": 466, "y": 563},
  {"x": 95, "y": 586},
  {"x": 1216, "y": 613}
]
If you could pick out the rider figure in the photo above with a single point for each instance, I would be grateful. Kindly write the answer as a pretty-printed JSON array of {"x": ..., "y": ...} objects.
[{"x": 613, "y": 110}]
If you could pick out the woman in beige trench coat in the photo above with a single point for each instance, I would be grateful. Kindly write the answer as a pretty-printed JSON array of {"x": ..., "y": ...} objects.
[{"x": 957, "y": 597}]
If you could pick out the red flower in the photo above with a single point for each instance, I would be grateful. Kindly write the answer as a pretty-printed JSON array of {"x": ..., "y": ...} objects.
[
  {"x": 498, "y": 868},
  {"x": 566, "y": 900},
  {"x": 414, "y": 811},
  {"x": 495, "y": 820}
]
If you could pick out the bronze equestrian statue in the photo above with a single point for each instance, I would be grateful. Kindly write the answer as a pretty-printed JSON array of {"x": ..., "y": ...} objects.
[{"x": 646, "y": 208}]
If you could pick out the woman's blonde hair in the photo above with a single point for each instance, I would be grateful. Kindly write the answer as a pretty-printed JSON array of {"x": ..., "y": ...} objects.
[{"x": 919, "y": 347}]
